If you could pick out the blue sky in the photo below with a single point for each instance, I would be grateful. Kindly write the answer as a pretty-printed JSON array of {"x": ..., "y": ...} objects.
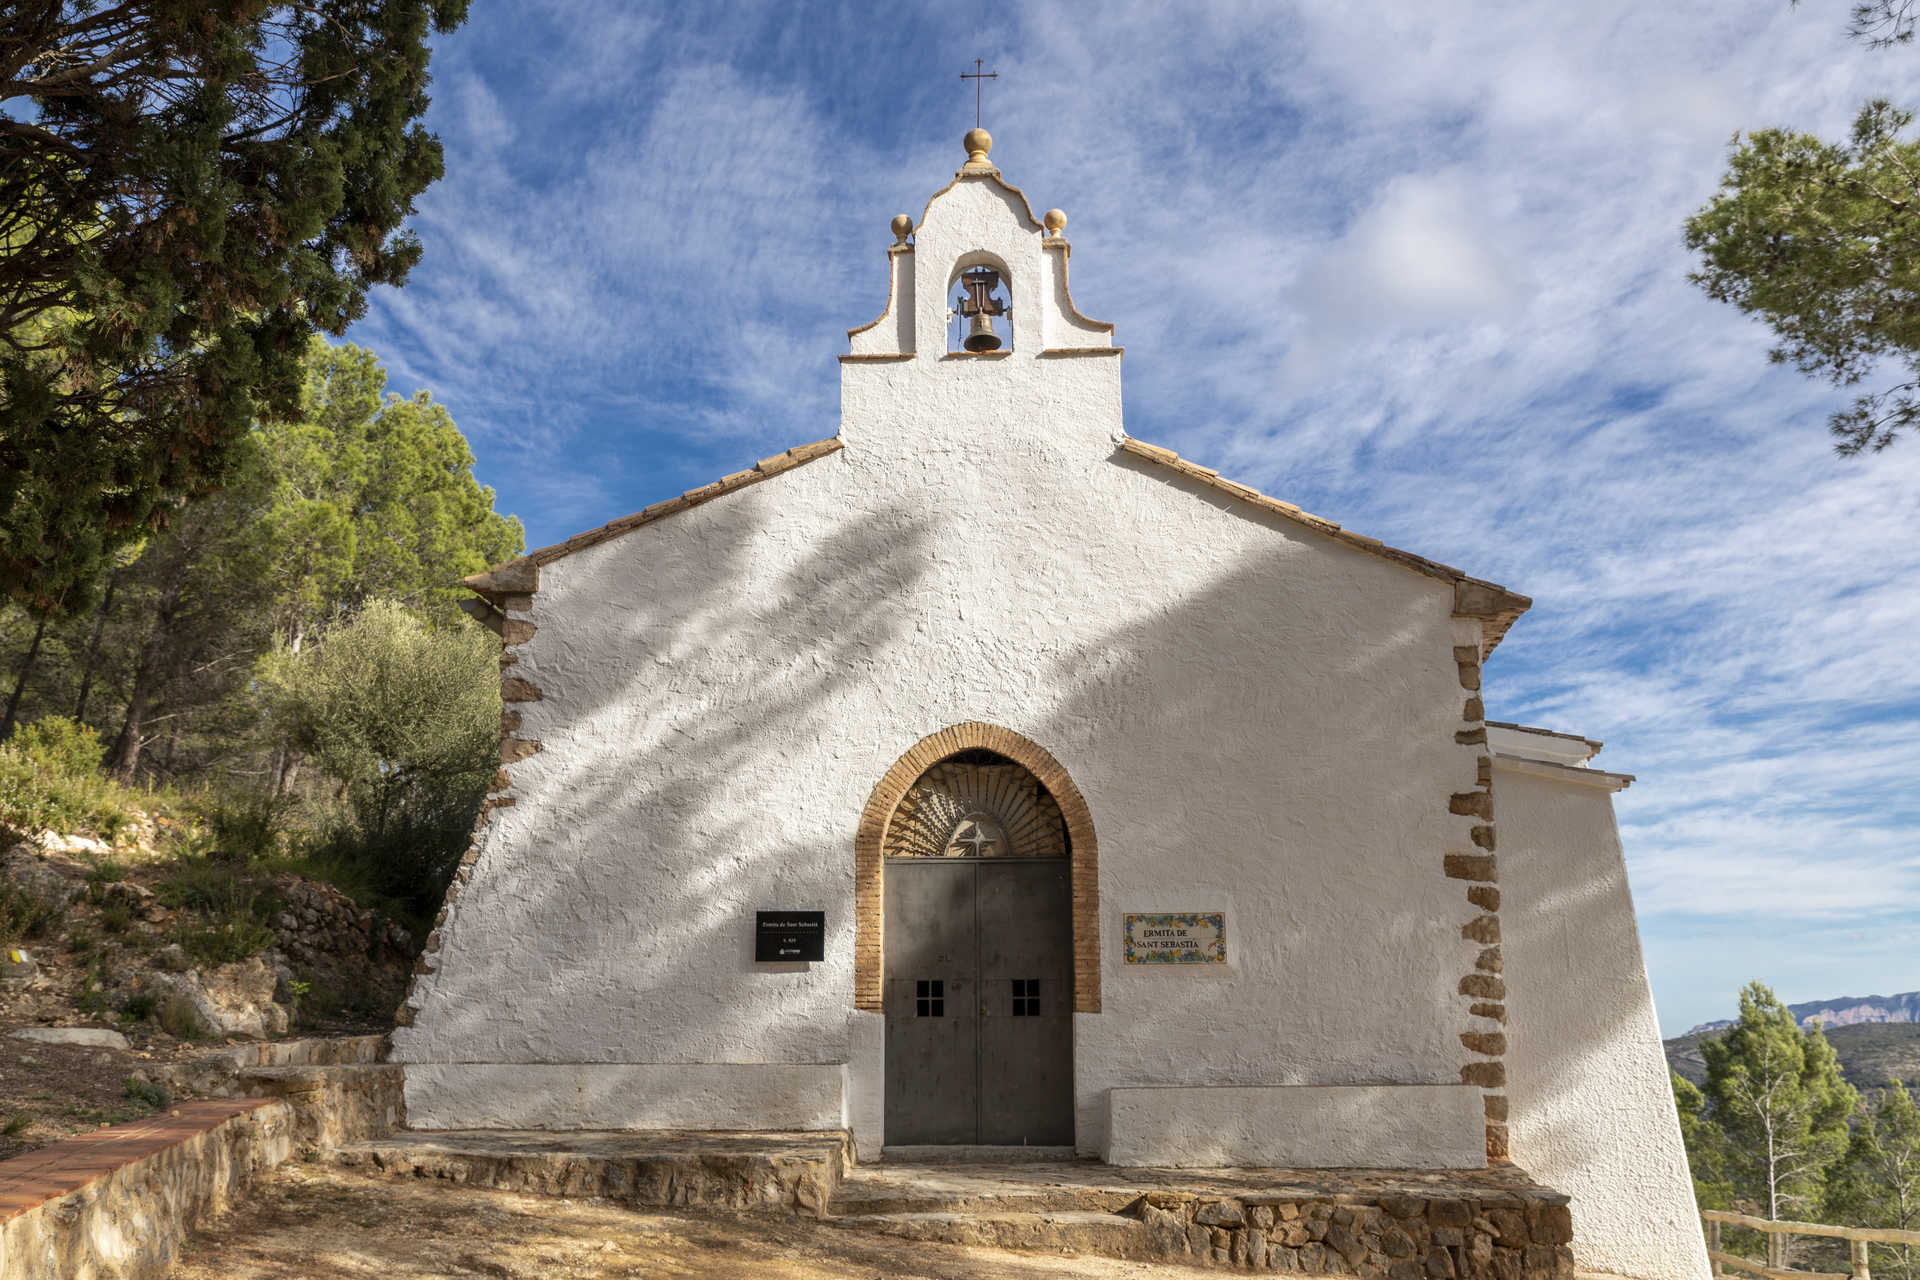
[{"x": 1417, "y": 268}]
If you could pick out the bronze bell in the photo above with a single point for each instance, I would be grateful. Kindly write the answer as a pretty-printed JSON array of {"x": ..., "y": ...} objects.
[
  {"x": 980, "y": 334},
  {"x": 979, "y": 306}
]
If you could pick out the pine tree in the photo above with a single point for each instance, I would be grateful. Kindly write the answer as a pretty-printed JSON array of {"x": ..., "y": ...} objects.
[
  {"x": 1776, "y": 1094},
  {"x": 1706, "y": 1145},
  {"x": 369, "y": 495},
  {"x": 1878, "y": 1181},
  {"x": 188, "y": 190}
]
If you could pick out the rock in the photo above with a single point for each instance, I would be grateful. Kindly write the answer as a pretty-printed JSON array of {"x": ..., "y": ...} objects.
[
  {"x": 1256, "y": 1248},
  {"x": 94, "y": 1037},
  {"x": 1509, "y": 1226},
  {"x": 1340, "y": 1239},
  {"x": 125, "y": 893},
  {"x": 17, "y": 966},
  {"x": 1549, "y": 1223},
  {"x": 74, "y": 846},
  {"x": 231, "y": 1000},
  {"x": 23, "y": 867},
  {"x": 1221, "y": 1213}
]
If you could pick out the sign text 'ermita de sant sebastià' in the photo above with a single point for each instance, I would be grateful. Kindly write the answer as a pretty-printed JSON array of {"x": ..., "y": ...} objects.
[{"x": 1177, "y": 937}]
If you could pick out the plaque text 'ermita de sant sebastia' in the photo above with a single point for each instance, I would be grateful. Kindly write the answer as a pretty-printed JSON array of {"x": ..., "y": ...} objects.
[{"x": 1177, "y": 937}]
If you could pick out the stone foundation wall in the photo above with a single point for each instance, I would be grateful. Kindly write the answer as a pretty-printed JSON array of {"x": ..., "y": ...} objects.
[
  {"x": 118, "y": 1203},
  {"x": 1518, "y": 1237},
  {"x": 115, "y": 1204},
  {"x": 333, "y": 1106}
]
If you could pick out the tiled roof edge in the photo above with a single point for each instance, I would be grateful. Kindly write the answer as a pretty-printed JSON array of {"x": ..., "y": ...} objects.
[
  {"x": 1551, "y": 733},
  {"x": 522, "y": 575},
  {"x": 1496, "y": 606}
]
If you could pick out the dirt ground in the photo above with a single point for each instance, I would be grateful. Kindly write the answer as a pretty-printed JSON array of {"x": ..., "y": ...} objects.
[
  {"x": 49, "y": 1092},
  {"x": 317, "y": 1220},
  {"x": 54, "y": 1091}
]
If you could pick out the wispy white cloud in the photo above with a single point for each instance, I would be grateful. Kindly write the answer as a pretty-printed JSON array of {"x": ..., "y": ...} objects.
[{"x": 1418, "y": 267}]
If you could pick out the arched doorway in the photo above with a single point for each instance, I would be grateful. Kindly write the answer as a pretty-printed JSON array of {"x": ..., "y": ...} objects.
[{"x": 978, "y": 958}]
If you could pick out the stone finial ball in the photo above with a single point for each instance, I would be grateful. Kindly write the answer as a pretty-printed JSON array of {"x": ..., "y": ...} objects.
[
  {"x": 902, "y": 227},
  {"x": 1055, "y": 222},
  {"x": 978, "y": 143}
]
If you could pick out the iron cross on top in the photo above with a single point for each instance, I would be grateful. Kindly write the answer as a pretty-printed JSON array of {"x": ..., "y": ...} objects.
[{"x": 976, "y": 75}]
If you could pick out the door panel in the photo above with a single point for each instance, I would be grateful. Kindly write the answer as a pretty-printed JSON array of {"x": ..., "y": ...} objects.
[
  {"x": 1026, "y": 1006},
  {"x": 979, "y": 1002},
  {"x": 932, "y": 1078}
]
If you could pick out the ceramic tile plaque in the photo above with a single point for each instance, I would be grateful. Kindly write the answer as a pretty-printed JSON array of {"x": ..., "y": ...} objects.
[{"x": 1177, "y": 937}]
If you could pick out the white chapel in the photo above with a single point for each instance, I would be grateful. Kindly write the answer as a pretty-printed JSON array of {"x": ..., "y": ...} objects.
[{"x": 985, "y": 777}]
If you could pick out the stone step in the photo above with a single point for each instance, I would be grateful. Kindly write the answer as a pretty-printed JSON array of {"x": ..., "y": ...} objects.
[
  {"x": 332, "y": 1051},
  {"x": 1066, "y": 1231},
  {"x": 858, "y": 1197},
  {"x": 333, "y": 1105},
  {"x": 794, "y": 1172},
  {"x": 974, "y": 1154}
]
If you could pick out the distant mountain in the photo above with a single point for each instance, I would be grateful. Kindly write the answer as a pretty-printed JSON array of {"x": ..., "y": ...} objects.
[
  {"x": 1870, "y": 1053},
  {"x": 1843, "y": 1011}
]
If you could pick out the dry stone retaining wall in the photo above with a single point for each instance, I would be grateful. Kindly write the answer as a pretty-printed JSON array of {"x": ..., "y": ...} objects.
[
  {"x": 116, "y": 1203},
  {"x": 1517, "y": 1237}
]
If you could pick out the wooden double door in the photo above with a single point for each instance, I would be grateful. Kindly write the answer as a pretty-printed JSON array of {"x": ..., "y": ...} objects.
[{"x": 979, "y": 1001}]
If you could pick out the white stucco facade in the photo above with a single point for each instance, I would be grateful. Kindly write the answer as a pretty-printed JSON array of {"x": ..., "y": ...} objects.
[
  {"x": 1591, "y": 1109},
  {"x": 1264, "y": 718}
]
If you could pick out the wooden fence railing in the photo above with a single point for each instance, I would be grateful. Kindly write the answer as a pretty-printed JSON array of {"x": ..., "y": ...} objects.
[{"x": 1778, "y": 1233}]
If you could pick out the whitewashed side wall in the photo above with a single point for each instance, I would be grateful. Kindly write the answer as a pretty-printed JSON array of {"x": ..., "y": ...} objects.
[
  {"x": 1261, "y": 721},
  {"x": 1591, "y": 1112},
  {"x": 1298, "y": 1126}
]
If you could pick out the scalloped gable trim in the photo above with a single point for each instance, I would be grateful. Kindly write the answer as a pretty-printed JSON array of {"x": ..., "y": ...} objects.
[
  {"x": 1493, "y": 604},
  {"x": 522, "y": 575}
]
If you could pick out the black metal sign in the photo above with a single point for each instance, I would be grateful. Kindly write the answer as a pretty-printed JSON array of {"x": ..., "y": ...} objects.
[{"x": 789, "y": 935}]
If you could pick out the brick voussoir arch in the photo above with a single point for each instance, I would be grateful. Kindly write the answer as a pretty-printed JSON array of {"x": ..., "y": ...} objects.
[{"x": 869, "y": 862}]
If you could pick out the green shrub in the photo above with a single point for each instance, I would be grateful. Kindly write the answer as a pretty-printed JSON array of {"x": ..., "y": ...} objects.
[
  {"x": 142, "y": 1006},
  {"x": 61, "y": 745},
  {"x": 244, "y": 825},
  {"x": 24, "y": 916},
  {"x": 116, "y": 917},
  {"x": 102, "y": 872},
  {"x": 50, "y": 779},
  {"x": 92, "y": 998},
  {"x": 177, "y": 1017},
  {"x": 212, "y": 887},
  {"x": 148, "y": 1094},
  {"x": 406, "y": 718},
  {"x": 16, "y": 1124},
  {"x": 223, "y": 941},
  {"x": 80, "y": 940},
  {"x": 320, "y": 1002}
]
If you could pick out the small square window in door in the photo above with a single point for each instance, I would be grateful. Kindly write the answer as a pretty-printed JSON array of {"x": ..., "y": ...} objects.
[
  {"x": 929, "y": 998},
  {"x": 1026, "y": 997}
]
